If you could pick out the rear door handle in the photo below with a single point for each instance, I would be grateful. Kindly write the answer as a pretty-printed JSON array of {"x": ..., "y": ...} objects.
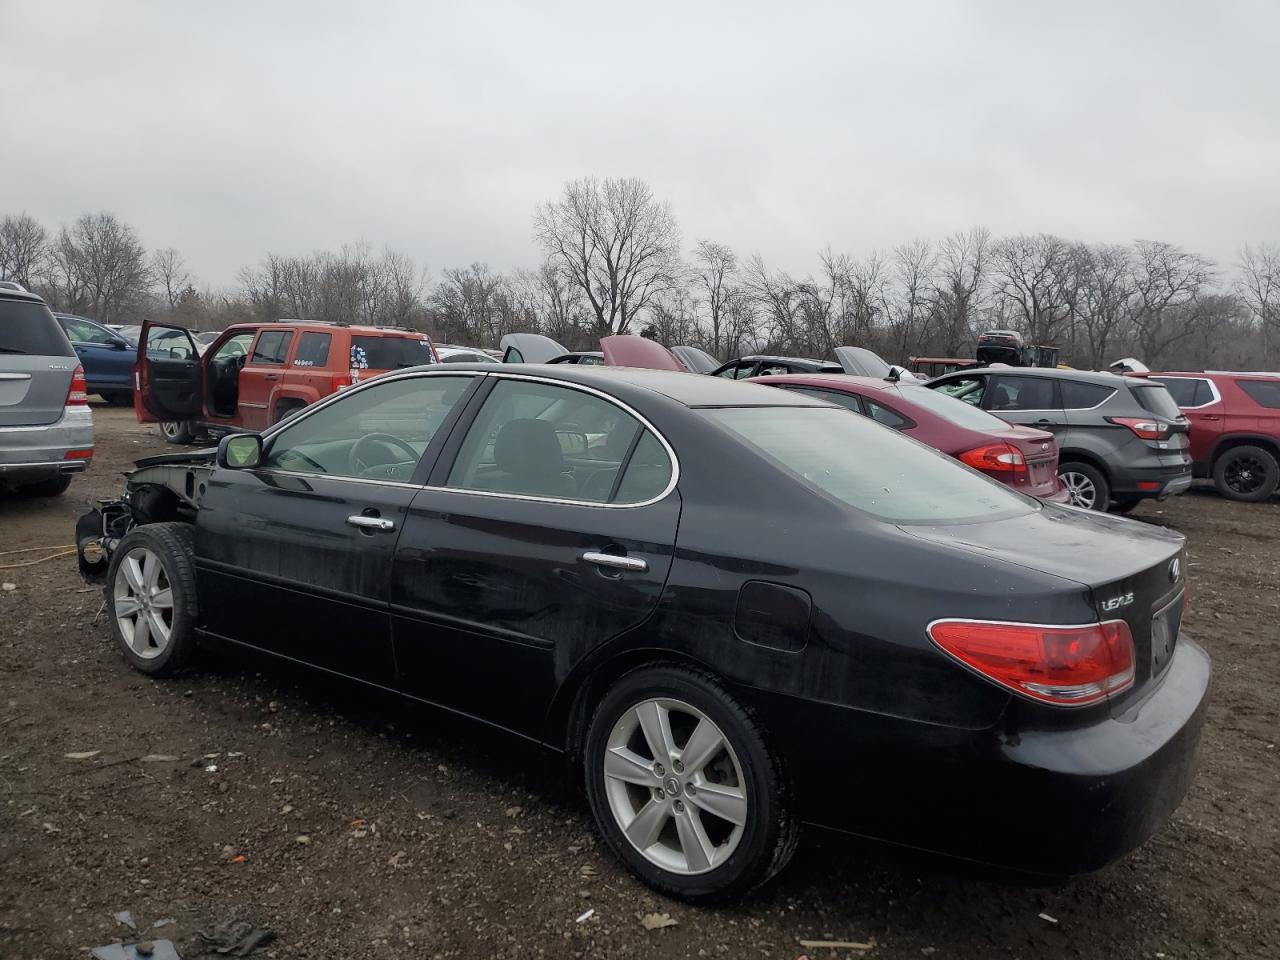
[
  {"x": 272, "y": 376},
  {"x": 615, "y": 562},
  {"x": 371, "y": 523}
]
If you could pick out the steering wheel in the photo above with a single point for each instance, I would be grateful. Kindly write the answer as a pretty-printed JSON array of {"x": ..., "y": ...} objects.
[{"x": 358, "y": 464}]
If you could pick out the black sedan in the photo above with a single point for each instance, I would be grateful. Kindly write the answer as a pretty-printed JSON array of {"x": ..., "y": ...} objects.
[{"x": 738, "y": 609}]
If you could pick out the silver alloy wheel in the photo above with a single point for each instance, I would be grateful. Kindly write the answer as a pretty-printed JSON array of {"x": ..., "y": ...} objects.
[
  {"x": 170, "y": 428},
  {"x": 143, "y": 603},
  {"x": 1083, "y": 492},
  {"x": 675, "y": 786}
]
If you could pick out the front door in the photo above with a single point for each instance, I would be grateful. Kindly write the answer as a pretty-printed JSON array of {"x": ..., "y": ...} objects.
[
  {"x": 548, "y": 529},
  {"x": 168, "y": 374},
  {"x": 294, "y": 556}
]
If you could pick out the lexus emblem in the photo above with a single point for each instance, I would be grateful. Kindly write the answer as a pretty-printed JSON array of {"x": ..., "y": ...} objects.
[{"x": 1175, "y": 567}]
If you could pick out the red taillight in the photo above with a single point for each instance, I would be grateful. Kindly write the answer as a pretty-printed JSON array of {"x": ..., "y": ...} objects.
[
  {"x": 995, "y": 458},
  {"x": 78, "y": 454},
  {"x": 1143, "y": 427},
  {"x": 339, "y": 382},
  {"x": 78, "y": 392},
  {"x": 1069, "y": 666}
]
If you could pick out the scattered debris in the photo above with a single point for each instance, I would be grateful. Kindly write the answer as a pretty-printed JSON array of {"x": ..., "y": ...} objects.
[
  {"x": 159, "y": 758},
  {"x": 513, "y": 811},
  {"x": 8, "y": 586},
  {"x": 302, "y": 838},
  {"x": 398, "y": 860},
  {"x": 589, "y": 871},
  {"x": 81, "y": 755},
  {"x": 1048, "y": 919},
  {"x": 167, "y": 921},
  {"x": 236, "y": 938},
  {"x": 158, "y": 950},
  {"x": 126, "y": 917},
  {"x": 211, "y": 768},
  {"x": 837, "y": 945},
  {"x": 586, "y": 916},
  {"x": 657, "y": 921},
  {"x": 50, "y": 828}
]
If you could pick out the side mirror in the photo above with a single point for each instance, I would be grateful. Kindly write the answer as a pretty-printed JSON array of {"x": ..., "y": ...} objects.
[
  {"x": 120, "y": 344},
  {"x": 240, "y": 451}
]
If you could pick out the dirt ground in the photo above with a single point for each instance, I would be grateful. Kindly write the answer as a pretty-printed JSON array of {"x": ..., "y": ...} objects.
[{"x": 353, "y": 827}]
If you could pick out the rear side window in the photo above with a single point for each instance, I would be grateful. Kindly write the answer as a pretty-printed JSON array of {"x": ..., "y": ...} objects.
[
  {"x": 313, "y": 350},
  {"x": 1187, "y": 391},
  {"x": 1077, "y": 395},
  {"x": 391, "y": 353},
  {"x": 882, "y": 414},
  {"x": 876, "y": 471},
  {"x": 848, "y": 400},
  {"x": 1154, "y": 398},
  {"x": 28, "y": 328},
  {"x": 272, "y": 347},
  {"x": 1024, "y": 393},
  {"x": 1266, "y": 393}
]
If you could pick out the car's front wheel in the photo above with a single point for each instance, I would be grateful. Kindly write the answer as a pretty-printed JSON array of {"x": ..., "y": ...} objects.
[
  {"x": 151, "y": 597},
  {"x": 685, "y": 787},
  {"x": 1085, "y": 484},
  {"x": 1246, "y": 473},
  {"x": 176, "y": 431}
]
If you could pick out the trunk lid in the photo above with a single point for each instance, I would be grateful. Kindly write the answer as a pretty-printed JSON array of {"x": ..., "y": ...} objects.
[{"x": 1039, "y": 449}]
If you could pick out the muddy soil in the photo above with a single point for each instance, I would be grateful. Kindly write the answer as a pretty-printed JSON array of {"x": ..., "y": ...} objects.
[{"x": 353, "y": 827}]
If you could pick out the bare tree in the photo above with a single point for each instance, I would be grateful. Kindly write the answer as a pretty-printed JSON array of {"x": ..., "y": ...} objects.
[
  {"x": 1259, "y": 288},
  {"x": 1106, "y": 289},
  {"x": 1166, "y": 280},
  {"x": 170, "y": 271},
  {"x": 24, "y": 249},
  {"x": 103, "y": 267},
  {"x": 716, "y": 272},
  {"x": 1032, "y": 276},
  {"x": 963, "y": 260},
  {"x": 909, "y": 306},
  {"x": 617, "y": 242}
]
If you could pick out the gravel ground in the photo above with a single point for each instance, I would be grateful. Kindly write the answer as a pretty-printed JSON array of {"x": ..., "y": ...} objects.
[{"x": 354, "y": 827}]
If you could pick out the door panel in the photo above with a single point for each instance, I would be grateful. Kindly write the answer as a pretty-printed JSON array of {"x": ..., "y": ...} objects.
[
  {"x": 1027, "y": 401},
  {"x": 262, "y": 376},
  {"x": 170, "y": 377}
]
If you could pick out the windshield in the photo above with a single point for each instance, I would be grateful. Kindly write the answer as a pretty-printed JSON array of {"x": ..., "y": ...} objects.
[
  {"x": 29, "y": 328},
  {"x": 870, "y": 467},
  {"x": 391, "y": 353},
  {"x": 952, "y": 410}
]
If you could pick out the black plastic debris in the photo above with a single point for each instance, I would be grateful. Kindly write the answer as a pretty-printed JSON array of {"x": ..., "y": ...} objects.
[{"x": 236, "y": 938}]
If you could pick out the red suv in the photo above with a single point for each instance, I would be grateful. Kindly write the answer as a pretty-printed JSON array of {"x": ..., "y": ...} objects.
[
  {"x": 256, "y": 374},
  {"x": 1235, "y": 429}
]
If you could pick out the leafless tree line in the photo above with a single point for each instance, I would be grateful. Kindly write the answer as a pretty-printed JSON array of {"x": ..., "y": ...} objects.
[{"x": 613, "y": 263}]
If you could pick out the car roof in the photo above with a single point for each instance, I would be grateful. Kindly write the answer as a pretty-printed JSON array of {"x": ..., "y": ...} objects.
[
  {"x": 7, "y": 294},
  {"x": 321, "y": 326},
  {"x": 1087, "y": 376},
  {"x": 688, "y": 389}
]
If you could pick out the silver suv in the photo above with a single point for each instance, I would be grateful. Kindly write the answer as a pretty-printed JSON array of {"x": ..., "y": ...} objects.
[
  {"x": 1121, "y": 440},
  {"x": 46, "y": 426}
]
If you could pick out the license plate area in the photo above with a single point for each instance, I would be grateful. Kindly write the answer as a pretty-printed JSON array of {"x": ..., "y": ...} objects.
[{"x": 1165, "y": 624}]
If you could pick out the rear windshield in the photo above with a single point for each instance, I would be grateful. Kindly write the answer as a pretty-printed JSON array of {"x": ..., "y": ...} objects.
[
  {"x": 875, "y": 470},
  {"x": 29, "y": 328},
  {"x": 391, "y": 353},
  {"x": 1155, "y": 399},
  {"x": 952, "y": 410}
]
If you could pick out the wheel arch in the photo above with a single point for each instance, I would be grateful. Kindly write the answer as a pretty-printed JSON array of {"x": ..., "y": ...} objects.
[
  {"x": 288, "y": 400},
  {"x": 1084, "y": 456},
  {"x": 1228, "y": 443}
]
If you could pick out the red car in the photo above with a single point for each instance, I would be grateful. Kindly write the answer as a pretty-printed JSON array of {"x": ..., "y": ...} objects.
[
  {"x": 1020, "y": 457},
  {"x": 1235, "y": 429}
]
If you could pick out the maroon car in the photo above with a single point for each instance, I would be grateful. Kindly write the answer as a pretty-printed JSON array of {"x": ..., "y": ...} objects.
[{"x": 1020, "y": 457}]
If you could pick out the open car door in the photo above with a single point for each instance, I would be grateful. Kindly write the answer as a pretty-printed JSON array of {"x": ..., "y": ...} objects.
[{"x": 168, "y": 377}]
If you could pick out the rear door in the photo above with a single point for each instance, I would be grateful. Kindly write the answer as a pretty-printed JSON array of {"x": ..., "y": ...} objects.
[
  {"x": 261, "y": 376},
  {"x": 168, "y": 375},
  {"x": 36, "y": 364},
  {"x": 106, "y": 357},
  {"x": 548, "y": 529},
  {"x": 1027, "y": 401}
]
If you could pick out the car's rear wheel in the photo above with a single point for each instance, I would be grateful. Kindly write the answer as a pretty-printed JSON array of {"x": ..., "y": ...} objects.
[
  {"x": 151, "y": 597},
  {"x": 685, "y": 787},
  {"x": 121, "y": 399},
  {"x": 1085, "y": 484},
  {"x": 177, "y": 431},
  {"x": 1246, "y": 473}
]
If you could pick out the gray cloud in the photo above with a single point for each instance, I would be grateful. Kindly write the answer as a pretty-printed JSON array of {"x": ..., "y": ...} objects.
[{"x": 229, "y": 129}]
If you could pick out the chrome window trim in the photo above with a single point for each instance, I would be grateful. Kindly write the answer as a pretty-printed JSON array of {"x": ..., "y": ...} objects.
[
  {"x": 1213, "y": 388},
  {"x": 498, "y": 375}
]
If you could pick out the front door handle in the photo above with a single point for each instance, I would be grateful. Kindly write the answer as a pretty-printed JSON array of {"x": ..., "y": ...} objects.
[
  {"x": 371, "y": 523},
  {"x": 615, "y": 562}
]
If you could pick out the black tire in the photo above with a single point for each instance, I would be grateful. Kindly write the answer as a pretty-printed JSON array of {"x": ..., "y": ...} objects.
[
  {"x": 769, "y": 832},
  {"x": 121, "y": 399},
  {"x": 53, "y": 487},
  {"x": 1249, "y": 473},
  {"x": 177, "y": 431},
  {"x": 171, "y": 544},
  {"x": 1092, "y": 479},
  {"x": 1125, "y": 504},
  {"x": 284, "y": 408}
]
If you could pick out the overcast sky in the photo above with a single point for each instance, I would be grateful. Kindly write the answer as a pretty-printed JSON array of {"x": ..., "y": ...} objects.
[{"x": 228, "y": 129}]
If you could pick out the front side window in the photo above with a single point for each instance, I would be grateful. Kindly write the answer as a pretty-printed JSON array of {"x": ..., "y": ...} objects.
[
  {"x": 378, "y": 433},
  {"x": 272, "y": 347},
  {"x": 875, "y": 471},
  {"x": 969, "y": 389},
  {"x": 165, "y": 343},
  {"x": 738, "y": 371},
  {"x": 82, "y": 332},
  {"x": 1023, "y": 393},
  {"x": 313, "y": 350},
  {"x": 237, "y": 346},
  {"x": 1265, "y": 393},
  {"x": 542, "y": 440}
]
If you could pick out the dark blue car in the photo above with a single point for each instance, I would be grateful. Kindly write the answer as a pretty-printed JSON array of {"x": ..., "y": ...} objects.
[{"x": 106, "y": 356}]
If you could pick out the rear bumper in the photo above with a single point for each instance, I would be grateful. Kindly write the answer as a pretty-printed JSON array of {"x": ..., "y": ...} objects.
[
  {"x": 1049, "y": 802},
  {"x": 36, "y": 453},
  {"x": 1158, "y": 481}
]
